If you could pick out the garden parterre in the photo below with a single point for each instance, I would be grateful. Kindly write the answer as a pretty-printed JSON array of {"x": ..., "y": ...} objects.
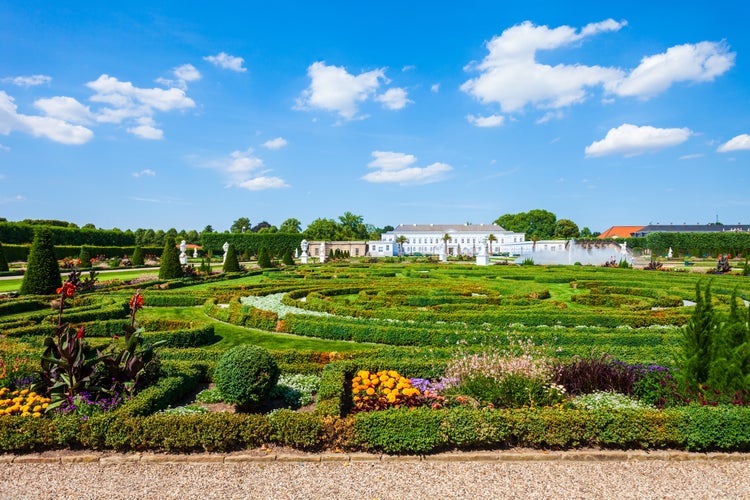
[{"x": 427, "y": 313}]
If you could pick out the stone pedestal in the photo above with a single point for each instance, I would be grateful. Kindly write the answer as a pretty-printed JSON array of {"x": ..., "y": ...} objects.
[
  {"x": 483, "y": 260},
  {"x": 303, "y": 259}
]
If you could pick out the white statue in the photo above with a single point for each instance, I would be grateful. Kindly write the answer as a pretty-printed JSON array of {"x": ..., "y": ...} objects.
[
  {"x": 322, "y": 251},
  {"x": 225, "y": 246},
  {"x": 624, "y": 247},
  {"x": 195, "y": 252},
  {"x": 183, "y": 253},
  {"x": 304, "y": 245},
  {"x": 669, "y": 253}
]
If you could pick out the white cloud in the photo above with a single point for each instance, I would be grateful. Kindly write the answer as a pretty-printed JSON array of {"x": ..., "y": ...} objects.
[
  {"x": 262, "y": 182},
  {"x": 435, "y": 88},
  {"x": 40, "y": 126},
  {"x": 394, "y": 99},
  {"x": 225, "y": 61},
  {"x": 397, "y": 168},
  {"x": 126, "y": 96},
  {"x": 187, "y": 72},
  {"x": 692, "y": 156},
  {"x": 144, "y": 173},
  {"x": 486, "y": 121},
  {"x": 332, "y": 88},
  {"x": 277, "y": 143},
  {"x": 511, "y": 76},
  {"x": 4, "y": 148},
  {"x": 242, "y": 169},
  {"x": 28, "y": 81},
  {"x": 146, "y": 130},
  {"x": 738, "y": 143},
  {"x": 700, "y": 62},
  {"x": 183, "y": 74},
  {"x": 631, "y": 140},
  {"x": 66, "y": 109},
  {"x": 126, "y": 102}
]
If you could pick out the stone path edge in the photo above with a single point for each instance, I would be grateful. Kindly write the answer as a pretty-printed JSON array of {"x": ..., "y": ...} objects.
[{"x": 479, "y": 456}]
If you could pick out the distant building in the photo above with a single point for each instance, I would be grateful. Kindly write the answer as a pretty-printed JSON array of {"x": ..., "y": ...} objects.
[
  {"x": 355, "y": 248},
  {"x": 620, "y": 232},
  {"x": 464, "y": 239}
]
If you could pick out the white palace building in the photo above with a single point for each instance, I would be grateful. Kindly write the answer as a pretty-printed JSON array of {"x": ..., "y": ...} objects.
[{"x": 463, "y": 239}]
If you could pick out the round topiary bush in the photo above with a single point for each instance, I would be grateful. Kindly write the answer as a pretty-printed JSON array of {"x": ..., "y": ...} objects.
[{"x": 246, "y": 375}]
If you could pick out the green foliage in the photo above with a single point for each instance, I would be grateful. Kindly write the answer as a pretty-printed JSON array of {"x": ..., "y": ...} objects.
[
  {"x": 245, "y": 375},
  {"x": 240, "y": 225},
  {"x": 170, "y": 267},
  {"x": 536, "y": 224},
  {"x": 3, "y": 260},
  {"x": 566, "y": 229},
  {"x": 288, "y": 260},
  {"x": 23, "y": 233},
  {"x": 299, "y": 430},
  {"x": 250, "y": 242},
  {"x": 264, "y": 259},
  {"x": 85, "y": 256},
  {"x": 138, "y": 256},
  {"x": 42, "y": 274},
  {"x": 290, "y": 225},
  {"x": 695, "y": 360},
  {"x": 231, "y": 263}
]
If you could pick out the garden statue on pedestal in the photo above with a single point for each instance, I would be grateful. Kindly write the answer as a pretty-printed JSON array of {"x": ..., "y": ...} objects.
[
  {"x": 482, "y": 258},
  {"x": 225, "y": 247},
  {"x": 304, "y": 245},
  {"x": 195, "y": 252},
  {"x": 183, "y": 253},
  {"x": 322, "y": 251}
]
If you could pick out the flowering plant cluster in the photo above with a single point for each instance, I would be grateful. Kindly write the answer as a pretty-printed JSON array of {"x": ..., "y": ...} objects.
[
  {"x": 384, "y": 389},
  {"x": 15, "y": 372},
  {"x": 86, "y": 404},
  {"x": 24, "y": 403}
]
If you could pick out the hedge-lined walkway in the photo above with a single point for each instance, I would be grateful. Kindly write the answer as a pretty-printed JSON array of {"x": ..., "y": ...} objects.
[{"x": 259, "y": 474}]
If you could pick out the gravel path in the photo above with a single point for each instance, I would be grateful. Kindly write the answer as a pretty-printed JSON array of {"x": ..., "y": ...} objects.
[{"x": 568, "y": 477}]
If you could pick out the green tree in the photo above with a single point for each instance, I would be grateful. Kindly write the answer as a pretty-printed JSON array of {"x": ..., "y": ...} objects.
[
  {"x": 351, "y": 227},
  {"x": 209, "y": 229},
  {"x": 566, "y": 229},
  {"x": 138, "y": 258},
  {"x": 288, "y": 260},
  {"x": 3, "y": 260},
  {"x": 261, "y": 225},
  {"x": 446, "y": 239},
  {"x": 537, "y": 222},
  {"x": 170, "y": 267},
  {"x": 231, "y": 263},
  {"x": 321, "y": 229},
  {"x": 694, "y": 361},
  {"x": 240, "y": 225},
  {"x": 42, "y": 274},
  {"x": 84, "y": 255},
  {"x": 490, "y": 239},
  {"x": 264, "y": 259},
  {"x": 401, "y": 240},
  {"x": 586, "y": 232},
  {"x": 290, "y": 225}
]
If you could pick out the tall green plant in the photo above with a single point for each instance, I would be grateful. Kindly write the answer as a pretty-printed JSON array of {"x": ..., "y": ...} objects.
[
  {"x": 231, "y": 264},
  {"x": 288, "y": 260},
  {"x": 3, "y": 260},
  {"x": 138, "y": 257},
  {"x": 264, "y": 259},
  {"x": 85, "y": 256},
  {"x": 42, "y": 274},
  {"x": 695, "y": 357},
  {"x": 730, "y": 357},
  {"x": 170, "y": 267}
]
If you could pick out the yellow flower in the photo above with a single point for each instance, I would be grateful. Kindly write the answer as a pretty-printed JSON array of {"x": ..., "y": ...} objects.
[
  {"x": 370, "y": 391},
  {"x": 37, "y": 408},
  {"x": 36, "y": 414}
]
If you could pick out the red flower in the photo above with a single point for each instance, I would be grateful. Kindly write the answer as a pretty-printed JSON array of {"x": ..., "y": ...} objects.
[
  {"x": 80, "y": 333},
  {"x": 136, "y": 301},
  {"x": 68, "y": 289}
]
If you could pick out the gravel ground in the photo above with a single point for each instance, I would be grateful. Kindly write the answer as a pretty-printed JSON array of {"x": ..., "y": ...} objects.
[{"x": 385, "y": 479}]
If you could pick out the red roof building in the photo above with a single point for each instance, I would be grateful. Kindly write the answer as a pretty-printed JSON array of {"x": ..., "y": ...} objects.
[{"x": 620, "y": 231}]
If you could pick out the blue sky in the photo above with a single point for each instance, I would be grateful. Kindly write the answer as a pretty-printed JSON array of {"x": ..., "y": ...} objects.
[{"x": 183, "y": 114}]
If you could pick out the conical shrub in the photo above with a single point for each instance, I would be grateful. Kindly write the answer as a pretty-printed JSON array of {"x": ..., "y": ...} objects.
[
  {"x": 170, "y": 267},
  {"x": 42, "y": 274},
  {"x": 138, "y": 258},
  {"x": 264, "y": 260},
  {"x": 231, "y": 263}
]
